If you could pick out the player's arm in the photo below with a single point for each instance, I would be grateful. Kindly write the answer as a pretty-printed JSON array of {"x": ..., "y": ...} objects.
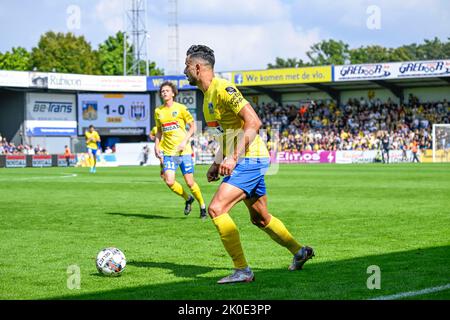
[
  {"x": 158, "y": 137},
  {"x": 189, "y": 120},
  {"x": 88, "y": 139},
  {"x": 189, "y": 134},
  {"x": 213, "y": 171},
  {"x": 252, "y": 123}
]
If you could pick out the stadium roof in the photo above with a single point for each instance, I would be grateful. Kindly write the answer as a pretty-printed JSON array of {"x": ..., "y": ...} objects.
[{"x": 333, "y": 89}]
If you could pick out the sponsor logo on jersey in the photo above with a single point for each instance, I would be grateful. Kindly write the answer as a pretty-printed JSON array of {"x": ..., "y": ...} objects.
[
  {"x": 169, "y": 126},
  {"x": 230, "y": 90}
]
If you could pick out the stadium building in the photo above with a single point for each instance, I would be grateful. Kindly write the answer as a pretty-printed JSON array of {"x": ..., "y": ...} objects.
[{"x": 326, "y": 114}]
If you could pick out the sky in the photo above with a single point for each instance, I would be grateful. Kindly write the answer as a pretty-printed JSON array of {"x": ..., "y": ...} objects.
[{"x": 245, "y": 34}]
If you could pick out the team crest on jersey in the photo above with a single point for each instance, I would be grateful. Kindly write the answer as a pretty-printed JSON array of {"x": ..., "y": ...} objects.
[
  {"x": 230, "y": 90},
  {"x": 174, "y": 114},
  {"x": 210, "y": 108},
  {"x": 137, "y": 112}
]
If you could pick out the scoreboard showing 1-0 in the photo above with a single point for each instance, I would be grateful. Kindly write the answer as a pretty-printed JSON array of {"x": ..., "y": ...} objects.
[{"x": 114, "y": 114}]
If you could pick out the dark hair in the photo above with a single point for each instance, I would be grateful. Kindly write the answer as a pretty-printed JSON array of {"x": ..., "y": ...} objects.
[
  {"x": 91, "y": 126},
  {"x": 170, "y": 84},
  {"x": 203, "y": 52}
]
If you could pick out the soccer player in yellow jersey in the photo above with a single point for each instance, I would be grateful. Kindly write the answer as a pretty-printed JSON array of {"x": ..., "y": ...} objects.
[
  {"x": 92, "y": 140},
  {"x": 172, "y": 146},
  {"x": 243, "y": 160}
]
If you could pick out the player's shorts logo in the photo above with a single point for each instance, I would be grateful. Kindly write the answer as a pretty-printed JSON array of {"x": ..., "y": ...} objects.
[{"x": 89, "y": 110}]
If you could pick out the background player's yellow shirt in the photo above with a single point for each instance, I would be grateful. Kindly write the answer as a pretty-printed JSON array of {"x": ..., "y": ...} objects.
[
  {"x": 154, "y": 131},
  {"x": 172, "y": 123},
  {"x": 221, "y": 105},
  {"x": 92, "y": 144}
]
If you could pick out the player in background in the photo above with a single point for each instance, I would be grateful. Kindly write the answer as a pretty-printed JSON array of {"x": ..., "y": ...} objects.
[
  {"x": 92, "y": 141},
  {"x": 243, "y": 159},
  {"x": 172, "y": 146},
  {"x": 67, "y": 155},
  {"x": 385, "y": 144}
]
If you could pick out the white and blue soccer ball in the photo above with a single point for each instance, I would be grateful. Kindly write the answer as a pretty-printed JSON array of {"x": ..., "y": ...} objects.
[{"x": 111, "y": 262}]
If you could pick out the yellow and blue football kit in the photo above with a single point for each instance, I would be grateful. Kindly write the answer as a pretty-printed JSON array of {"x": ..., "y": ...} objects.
[
  {"x": 221, "y": 107},
  {"x": 172, "y": 121},
  {"x": 92, "y": 145}
]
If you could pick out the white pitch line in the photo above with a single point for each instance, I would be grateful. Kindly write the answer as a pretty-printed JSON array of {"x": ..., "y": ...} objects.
[
  {"x": 413, "y": 293},
  {"x": 40, "y": 178},
  {"x": 72, "y": 175}
]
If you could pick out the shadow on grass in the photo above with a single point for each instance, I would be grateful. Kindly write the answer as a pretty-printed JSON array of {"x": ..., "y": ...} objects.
[
  {"x": 346, "y": 279},
  {"x": 143, "y": 216},
  {"x": 178, "y": 270}
]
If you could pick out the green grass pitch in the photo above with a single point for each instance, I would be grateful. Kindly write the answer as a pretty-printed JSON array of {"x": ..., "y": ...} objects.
[{"x": 395, "y": 216}]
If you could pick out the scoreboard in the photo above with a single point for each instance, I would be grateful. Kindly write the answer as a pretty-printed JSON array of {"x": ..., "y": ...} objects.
[{"x": 114, "y": 114}]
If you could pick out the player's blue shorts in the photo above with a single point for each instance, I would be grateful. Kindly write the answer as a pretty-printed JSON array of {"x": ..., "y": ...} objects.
[
  {"x": 92, "y": 151},
  {"x": 185, "y": 162},
  {"x": 248, "y": 175}
]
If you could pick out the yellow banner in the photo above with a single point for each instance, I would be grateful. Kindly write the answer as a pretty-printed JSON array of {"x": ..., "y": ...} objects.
[
  {"x": 282, "y": 76},
  {"x": 441, "y": 156}
]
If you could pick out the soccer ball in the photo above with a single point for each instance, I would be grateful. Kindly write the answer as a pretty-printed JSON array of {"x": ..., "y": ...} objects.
[{"x": 111, "y": 262}]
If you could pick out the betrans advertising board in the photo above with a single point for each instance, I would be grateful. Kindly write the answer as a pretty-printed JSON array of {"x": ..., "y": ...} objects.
[
  {"x": 114, "y": 114},
  {"x": 50, "y": 114}
]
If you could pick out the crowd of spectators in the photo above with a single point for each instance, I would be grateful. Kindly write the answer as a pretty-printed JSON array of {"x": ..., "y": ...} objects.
[
  {"x": 9, "y": 148},
  {"x": 357, "y": 124}
]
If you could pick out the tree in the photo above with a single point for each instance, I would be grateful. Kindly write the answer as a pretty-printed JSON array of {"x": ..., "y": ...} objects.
[
  {"x": 337, "y": 52},
  {"x": 288, "y": 63},
  {"x": 153, "y": 70},
  {"x": 18, "y": 59},
  {"x": 65, "y": 53},
  {"x": 329, "y": 52},
  {"x": 433, "y": 49},
  {"x": 369, "y": 54},
  {"x": 111, "y": 57}
]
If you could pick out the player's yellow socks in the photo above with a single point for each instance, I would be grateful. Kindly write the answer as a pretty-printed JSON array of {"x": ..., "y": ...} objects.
[
  {"x": 278, "y": 232},
  {"x": 178, "y": 189},
  {"x": 198, "y": 194},
  {"x": 229, "y": 235}
]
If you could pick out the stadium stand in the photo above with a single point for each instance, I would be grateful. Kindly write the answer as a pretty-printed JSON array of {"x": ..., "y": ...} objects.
[{"x": 359, "y": 124}]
